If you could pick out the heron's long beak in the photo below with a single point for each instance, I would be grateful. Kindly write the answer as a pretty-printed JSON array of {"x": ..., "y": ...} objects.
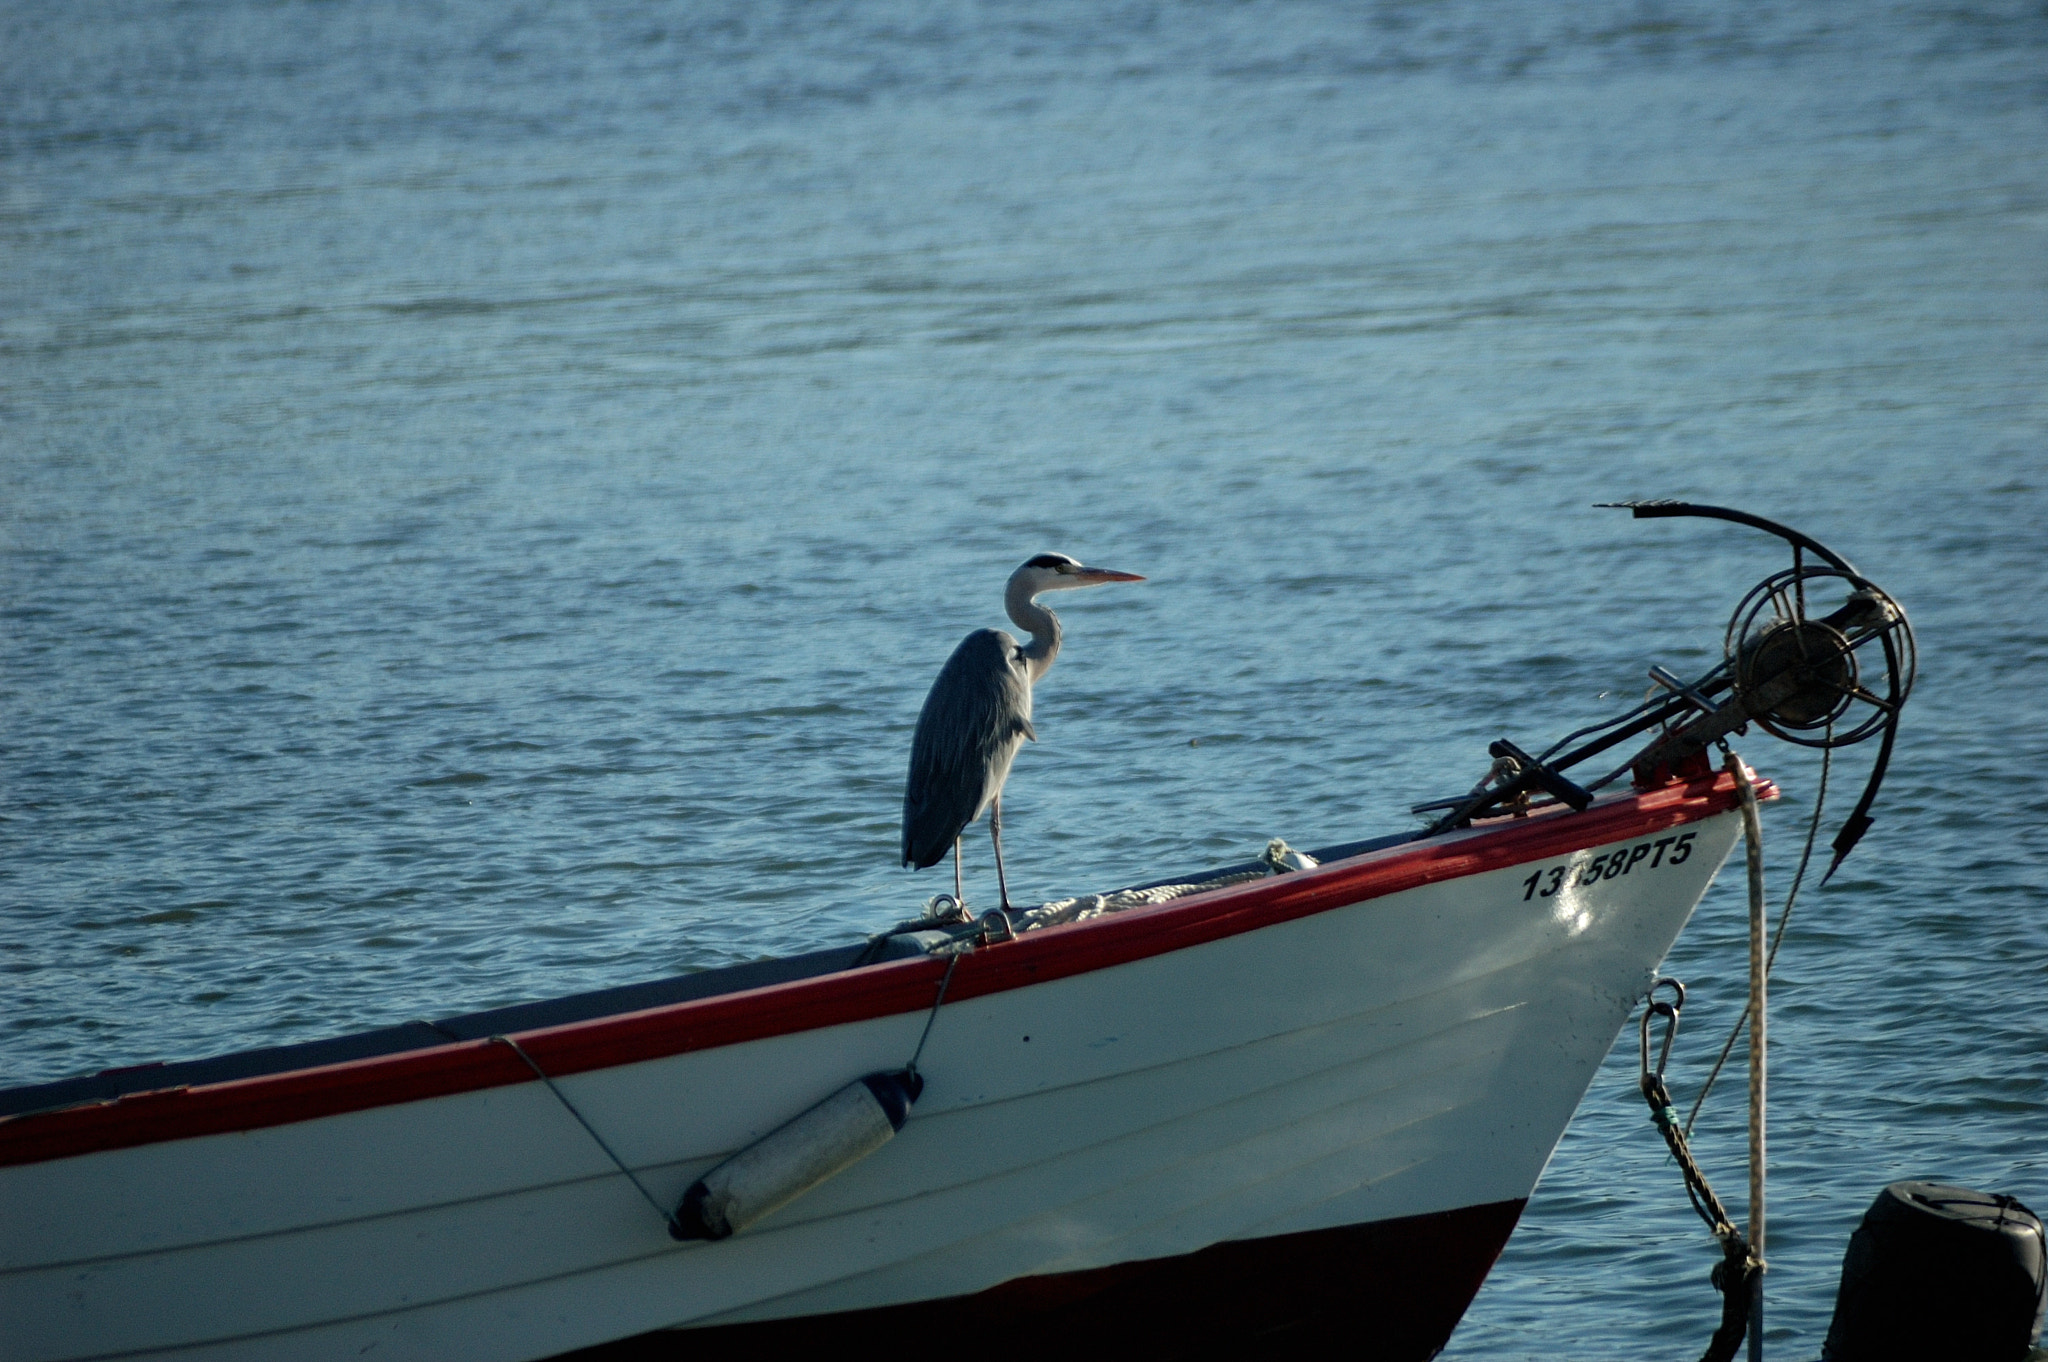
[{"x": 1089, "y": 576}]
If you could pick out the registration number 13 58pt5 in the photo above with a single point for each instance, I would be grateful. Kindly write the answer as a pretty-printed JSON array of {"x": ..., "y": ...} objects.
[{"x": 1652, "y": 855}]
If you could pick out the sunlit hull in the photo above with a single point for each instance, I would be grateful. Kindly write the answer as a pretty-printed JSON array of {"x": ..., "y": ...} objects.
[{"x": 1292, "y": 1105}]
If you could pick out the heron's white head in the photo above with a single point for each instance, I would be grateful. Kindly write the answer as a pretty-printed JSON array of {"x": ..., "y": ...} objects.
[{"x": 1057, "y": 572}]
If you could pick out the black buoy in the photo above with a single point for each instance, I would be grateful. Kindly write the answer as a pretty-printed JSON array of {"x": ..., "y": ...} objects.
[{"x": 1940, "y": 1272}]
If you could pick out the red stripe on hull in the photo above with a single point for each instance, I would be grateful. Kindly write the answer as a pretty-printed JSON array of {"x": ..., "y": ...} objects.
[
  {"x": 1390, "y": 1291},
  {"x": 850, "y": 996}
]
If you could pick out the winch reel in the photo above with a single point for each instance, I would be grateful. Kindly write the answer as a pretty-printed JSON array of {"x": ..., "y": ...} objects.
[
  {"x": 1800, "y": 671},
  {"x": 1816, "y": 654},
  {"x": 1820, "y": 655}
]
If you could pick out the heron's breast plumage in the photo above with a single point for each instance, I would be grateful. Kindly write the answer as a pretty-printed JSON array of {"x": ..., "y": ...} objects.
[{"x": 975, "y": 718}]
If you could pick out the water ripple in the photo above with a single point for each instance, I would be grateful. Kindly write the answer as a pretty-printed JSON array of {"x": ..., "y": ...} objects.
[{"x": 483, "y": 500}]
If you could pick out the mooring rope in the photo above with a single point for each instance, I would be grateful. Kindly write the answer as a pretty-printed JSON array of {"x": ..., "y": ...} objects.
[
  {"x": 1759, "y": 1017},
  {"x": 570, "y": 1107},
  {"x": 933, "y": 1015},
  {"x": 1820, "y": 800},
  {"x": 1739, "y": 1275}
]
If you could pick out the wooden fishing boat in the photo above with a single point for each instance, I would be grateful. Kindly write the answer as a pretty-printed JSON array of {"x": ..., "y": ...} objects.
[
  {"x": 1345, "y": 1079},
  {"x": 1298, "y": 1108}
]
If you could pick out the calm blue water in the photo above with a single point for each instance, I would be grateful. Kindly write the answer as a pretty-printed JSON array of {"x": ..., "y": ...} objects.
[{"x": 483, "y": 493}]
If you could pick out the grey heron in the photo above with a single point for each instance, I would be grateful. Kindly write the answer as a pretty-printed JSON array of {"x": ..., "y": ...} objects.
[{"x": 979, "y": 713}]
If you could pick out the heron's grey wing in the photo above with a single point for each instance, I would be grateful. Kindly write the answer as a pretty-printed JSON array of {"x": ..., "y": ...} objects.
[{"x": 977, "y": 715}]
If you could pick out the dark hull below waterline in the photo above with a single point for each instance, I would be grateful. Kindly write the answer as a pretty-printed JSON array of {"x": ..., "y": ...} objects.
[{"x": 1393, "y": 1290}]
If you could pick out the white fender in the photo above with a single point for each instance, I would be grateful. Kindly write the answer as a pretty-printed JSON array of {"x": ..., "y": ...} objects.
[{"x": 795, "y": 1157}]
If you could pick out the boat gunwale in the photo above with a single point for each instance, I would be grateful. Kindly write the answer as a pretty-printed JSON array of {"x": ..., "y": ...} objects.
[{"x": 844, "y": 996}]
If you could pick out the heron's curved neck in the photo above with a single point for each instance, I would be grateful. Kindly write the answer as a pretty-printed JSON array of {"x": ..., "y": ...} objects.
[{"x": 1043, "y": 624}]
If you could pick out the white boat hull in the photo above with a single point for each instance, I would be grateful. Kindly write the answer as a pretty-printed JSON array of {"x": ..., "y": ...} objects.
[{"x": 1414, "y": 1053}]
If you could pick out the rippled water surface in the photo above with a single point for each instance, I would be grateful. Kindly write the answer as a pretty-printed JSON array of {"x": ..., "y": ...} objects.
[{"x": 483, "y": 492}]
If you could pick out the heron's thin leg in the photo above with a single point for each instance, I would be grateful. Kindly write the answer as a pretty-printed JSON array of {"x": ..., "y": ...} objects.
[
  {"x": 995, "y": 832},
  {"x": 956, "y": 872}
]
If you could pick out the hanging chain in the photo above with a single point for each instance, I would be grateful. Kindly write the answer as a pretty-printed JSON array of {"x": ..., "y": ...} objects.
[{"x": 1739, "y": 1264}]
